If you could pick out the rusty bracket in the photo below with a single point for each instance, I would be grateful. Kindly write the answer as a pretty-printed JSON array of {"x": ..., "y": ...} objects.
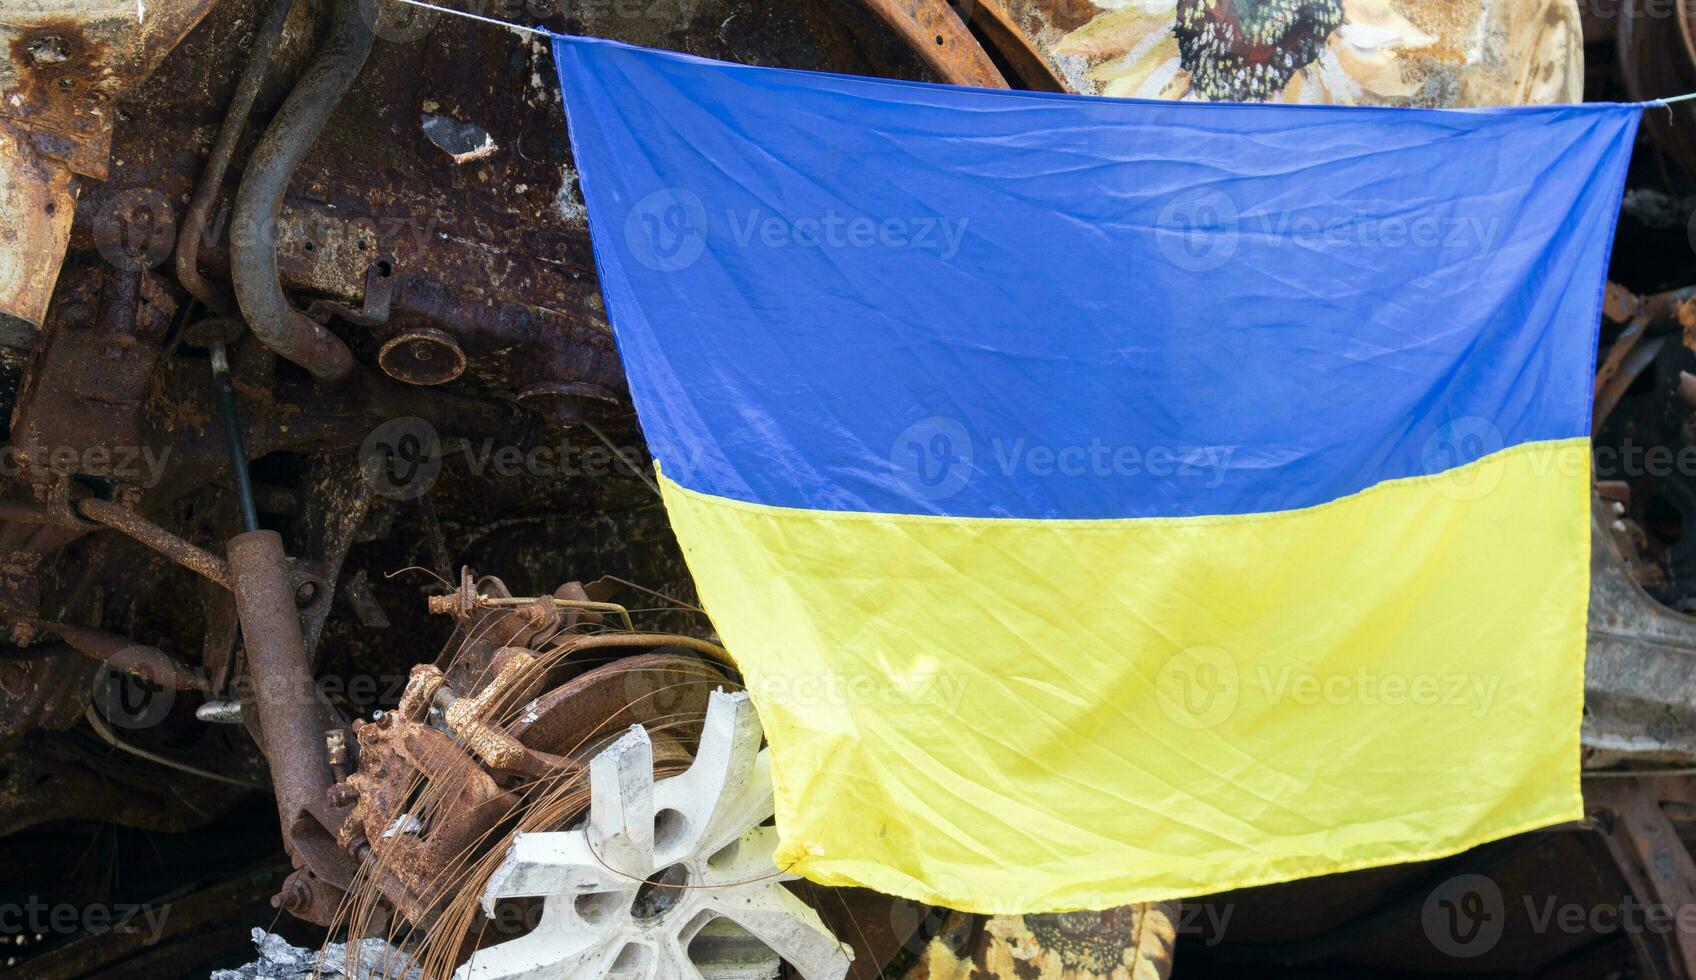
[
  {"x": 992, "y": 21},
  {"x": 184, "y": 553},
  {"x": 471, "y": 718},
  {"x": 374, "y": 309},
  {"x": 940, "y": 39},
  {"x": 1654, "y": 862}
]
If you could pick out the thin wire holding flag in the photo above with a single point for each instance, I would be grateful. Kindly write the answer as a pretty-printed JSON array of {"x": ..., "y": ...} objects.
[
  {"x": 487, "y": 20},
  {"x": 544, "y": 32}
]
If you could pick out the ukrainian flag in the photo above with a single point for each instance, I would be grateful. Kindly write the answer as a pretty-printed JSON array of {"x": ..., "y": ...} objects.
[{"x": 1106, "y": 500}]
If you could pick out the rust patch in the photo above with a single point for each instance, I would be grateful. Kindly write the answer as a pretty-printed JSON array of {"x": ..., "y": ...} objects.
[{"x": 1129, "y": 943}]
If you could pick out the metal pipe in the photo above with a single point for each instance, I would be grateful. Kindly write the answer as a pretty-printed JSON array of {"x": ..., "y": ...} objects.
[
  {"x": 151, "y": 664},
  {"x": 219, "y": 297},
  {"x": 233, "y": 437},
  {"x": 291, "y": 718},
  {"x": 47, "y": 515},
  {"x": 590, "y": 641},
  {"x": 259, "y": 200},
  {"x": 190, "y": 556}
]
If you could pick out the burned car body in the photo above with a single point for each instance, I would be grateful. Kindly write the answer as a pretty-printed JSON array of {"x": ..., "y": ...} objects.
[{"x": 301, "y": 336}]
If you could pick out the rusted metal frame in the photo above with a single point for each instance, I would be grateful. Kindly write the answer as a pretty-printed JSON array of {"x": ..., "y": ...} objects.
[
  {"x": 991, "y": 20},
  {"x": 305, "y": 418},
  {"x": 337, "y": 500},
  {"x": 1637, "y": 344},
  {"x": 65, "y": 66},
  {"x": 1639, "y": 681},
  {"x": 556, "y": 364},
  {"x": 259, "y": 200},
  {"x": 57, "y": 514},
  {"x": 148, "y": 663},
  {"x": 314, "y": 421},
  {"x": 940, "y": 39},
  {"x": 219, "y": 297},
  {"x": 1655, "y": 863},
  {"x": 190, "y": 556},
  {"x": 1637, "y": 355}
]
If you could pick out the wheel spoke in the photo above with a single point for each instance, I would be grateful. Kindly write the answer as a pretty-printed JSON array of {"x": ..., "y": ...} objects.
[
  {"x": 549, "y": 864},
  {"x": 783, "y": 922},
  {"x": 621, "y": 809},
  {"x": 714, "y": 789},
  {"x": 748, "y": 860},
  {"x": 546, "y": 953},
  {"x": 672, "y": 961}
]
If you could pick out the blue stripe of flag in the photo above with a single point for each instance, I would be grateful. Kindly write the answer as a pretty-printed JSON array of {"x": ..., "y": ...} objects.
[{"x": 850, "y": 294}]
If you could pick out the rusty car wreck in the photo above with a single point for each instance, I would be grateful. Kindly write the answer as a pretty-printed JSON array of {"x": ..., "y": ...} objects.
[{"x": 330, "y": 561}]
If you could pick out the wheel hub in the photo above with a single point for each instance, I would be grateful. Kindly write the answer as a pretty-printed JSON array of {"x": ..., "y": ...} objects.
[{"x": 668, "y": 879}]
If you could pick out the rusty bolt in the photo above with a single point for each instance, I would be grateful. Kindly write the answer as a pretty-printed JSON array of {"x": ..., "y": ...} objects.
[
  {"x": 335, "y": 746},
  {"x": 295, "y": 896},
  {"x": 341, "y": 794}
]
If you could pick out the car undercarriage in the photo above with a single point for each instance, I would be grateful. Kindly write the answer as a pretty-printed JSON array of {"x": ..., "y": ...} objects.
[{"x": 330, "y": 560}]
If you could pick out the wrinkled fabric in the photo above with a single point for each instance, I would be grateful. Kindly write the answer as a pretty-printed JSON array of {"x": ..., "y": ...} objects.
[{"x": 1110, "y": 501}]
